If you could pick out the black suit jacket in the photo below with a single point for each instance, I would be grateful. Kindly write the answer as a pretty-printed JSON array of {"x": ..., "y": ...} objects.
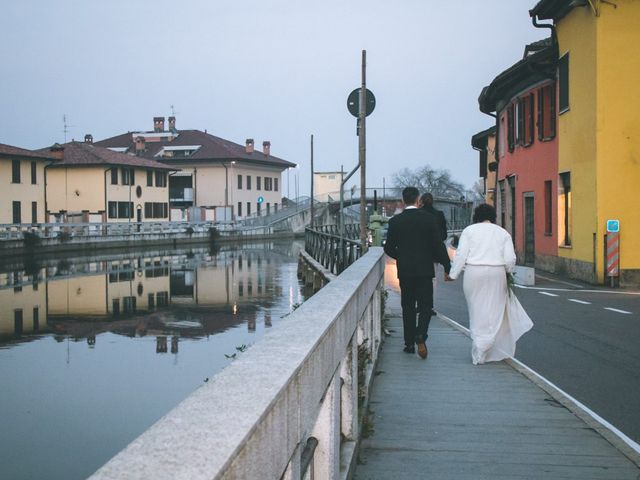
[
  {"x": 441, "y": 221},
  {"x": 413, "y": 240}
]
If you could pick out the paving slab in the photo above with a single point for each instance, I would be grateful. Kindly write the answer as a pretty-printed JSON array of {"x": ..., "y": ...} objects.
[{"x": 444, "y": 418}]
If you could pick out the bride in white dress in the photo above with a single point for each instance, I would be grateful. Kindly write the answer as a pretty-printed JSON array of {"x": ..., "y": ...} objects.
[{"x": 496, "y": 318}]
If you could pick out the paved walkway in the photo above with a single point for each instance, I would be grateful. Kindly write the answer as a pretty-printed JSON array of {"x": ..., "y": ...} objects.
[{"x": 444, "y": 418}]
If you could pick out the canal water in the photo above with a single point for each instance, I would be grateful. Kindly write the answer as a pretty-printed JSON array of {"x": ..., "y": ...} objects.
[{"x": 93, "y": 351}]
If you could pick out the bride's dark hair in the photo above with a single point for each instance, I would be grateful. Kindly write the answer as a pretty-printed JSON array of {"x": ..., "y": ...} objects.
[{"x": 484, "y": 212}]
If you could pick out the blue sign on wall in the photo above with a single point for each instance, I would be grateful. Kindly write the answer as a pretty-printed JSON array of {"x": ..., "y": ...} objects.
[
  {"x": 613, "y": 226},
  {"x": 260, "y": 199}
]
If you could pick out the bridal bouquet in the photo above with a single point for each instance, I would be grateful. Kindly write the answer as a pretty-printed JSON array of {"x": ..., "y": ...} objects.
[{"x": 510, "y": 282}]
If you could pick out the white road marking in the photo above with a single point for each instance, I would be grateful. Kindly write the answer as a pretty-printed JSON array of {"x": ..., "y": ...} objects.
[
  {"x": 573, "y": 290},
  {"x": 579, "y": 301},
  {"x": 616, "y": 310},
  {"x": 548, "y": 294}
]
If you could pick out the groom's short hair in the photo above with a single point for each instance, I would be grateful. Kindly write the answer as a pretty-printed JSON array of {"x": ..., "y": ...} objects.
[{"x": 410, "y": 195}]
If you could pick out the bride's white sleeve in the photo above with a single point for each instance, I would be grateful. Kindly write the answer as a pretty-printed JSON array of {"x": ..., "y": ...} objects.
[
  {"x": 508, "y": 253},
  {"x": 461, "y": 255}
]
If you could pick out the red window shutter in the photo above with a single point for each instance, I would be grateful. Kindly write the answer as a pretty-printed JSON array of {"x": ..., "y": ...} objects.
[
  {"x": 541, "y": 113},
  {"x": 552, "y": 110},
  {"x": 530, "y": 129},
  {"x": 510, "y": 125},
  {"x": 520, "y": 120}
]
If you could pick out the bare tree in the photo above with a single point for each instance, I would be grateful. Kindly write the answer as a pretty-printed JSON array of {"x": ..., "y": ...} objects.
[
  {"x": 426, "y": 179},
  {"x": 476, "y": 194}
]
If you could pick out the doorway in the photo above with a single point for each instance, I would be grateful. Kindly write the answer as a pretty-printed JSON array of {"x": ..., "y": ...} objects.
[{"x": 529, "y": 230}]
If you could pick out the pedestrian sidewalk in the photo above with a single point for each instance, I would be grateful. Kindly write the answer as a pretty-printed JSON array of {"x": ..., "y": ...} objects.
[{"x": 444, "y": 418}]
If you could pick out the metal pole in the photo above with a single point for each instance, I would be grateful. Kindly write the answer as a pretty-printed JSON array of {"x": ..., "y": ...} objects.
[
  {"x": 341, "y": 254},
  {"x": 311, "y": 206},
  {"x": 362, "y": 155},
  {"x": 226, "y": 191},
  {"x": 384, "y": 199}
]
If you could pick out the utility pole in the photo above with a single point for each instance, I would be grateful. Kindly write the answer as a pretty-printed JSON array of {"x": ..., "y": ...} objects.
[
  {"x": 311, "y": 206},
  {"x": 362, "y": 147}
]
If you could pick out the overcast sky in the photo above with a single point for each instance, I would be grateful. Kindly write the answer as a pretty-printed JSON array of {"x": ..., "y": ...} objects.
[{"x": 277, "y": 70}]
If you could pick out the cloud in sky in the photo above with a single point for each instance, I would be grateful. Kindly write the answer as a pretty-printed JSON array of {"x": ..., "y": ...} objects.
[{"x": 277, "y": 70}]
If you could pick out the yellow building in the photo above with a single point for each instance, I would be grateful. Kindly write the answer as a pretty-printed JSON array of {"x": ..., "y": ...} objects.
[
  {"x": 598, "y": 132},
  {"x": 89, "y": 184},
  {"x": 22, "y": 188}
]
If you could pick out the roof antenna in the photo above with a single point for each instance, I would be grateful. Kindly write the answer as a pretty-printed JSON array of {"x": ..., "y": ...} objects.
[{"x": 65, "y": 126}]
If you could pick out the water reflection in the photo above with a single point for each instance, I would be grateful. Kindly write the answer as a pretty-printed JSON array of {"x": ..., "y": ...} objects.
[
  {"x": 176, "y": 294},
  {"x": 95, "y": 350}
]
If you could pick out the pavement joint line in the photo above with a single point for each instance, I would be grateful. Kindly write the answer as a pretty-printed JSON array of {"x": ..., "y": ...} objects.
[
  {"x": 617, "y": 310},
  {"x": 615, "y": 437},
  {"x": 579, "y": 301},
  {"x": 559, "y": 281}
]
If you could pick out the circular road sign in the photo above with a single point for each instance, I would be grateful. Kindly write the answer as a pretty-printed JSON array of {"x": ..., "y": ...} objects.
[
  {"x": 353, "y": 103},
  {"x": 260, "y": 199}
]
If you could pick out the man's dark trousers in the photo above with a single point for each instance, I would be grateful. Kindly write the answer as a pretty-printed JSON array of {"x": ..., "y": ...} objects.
[{"x": 416, "y": 291}]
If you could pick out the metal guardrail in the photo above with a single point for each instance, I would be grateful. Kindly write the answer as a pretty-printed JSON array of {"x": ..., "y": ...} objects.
[
  {"x": 334, "y": 253},
  {"x": 67, "y": 231},
  {"x": 264, "y": 219}
]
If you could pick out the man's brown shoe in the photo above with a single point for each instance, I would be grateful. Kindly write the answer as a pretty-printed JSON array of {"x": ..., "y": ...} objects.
[{"x": 422, "y": 350}]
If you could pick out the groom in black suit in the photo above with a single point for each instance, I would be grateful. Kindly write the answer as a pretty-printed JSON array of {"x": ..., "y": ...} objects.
[{"x": 413, "y": 240}]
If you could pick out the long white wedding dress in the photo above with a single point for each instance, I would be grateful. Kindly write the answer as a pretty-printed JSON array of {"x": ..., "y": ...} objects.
[{"x": 496, "y": 317}]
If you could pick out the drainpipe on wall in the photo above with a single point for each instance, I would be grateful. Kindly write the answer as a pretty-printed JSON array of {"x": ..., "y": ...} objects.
[
  {"x": 106, "y": 203},
  {"x": 46, "y": 220},
  {"x": 554, "y": 36}
]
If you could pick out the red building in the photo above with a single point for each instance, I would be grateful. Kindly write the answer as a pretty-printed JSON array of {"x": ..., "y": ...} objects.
[{"x": 522, "y": 99}]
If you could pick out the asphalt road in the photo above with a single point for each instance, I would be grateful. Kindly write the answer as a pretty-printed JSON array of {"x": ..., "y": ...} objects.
[{"x": 585, "y": 340}]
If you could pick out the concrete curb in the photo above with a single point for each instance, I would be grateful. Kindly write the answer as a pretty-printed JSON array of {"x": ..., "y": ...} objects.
[{"x": 615, "y": 437}]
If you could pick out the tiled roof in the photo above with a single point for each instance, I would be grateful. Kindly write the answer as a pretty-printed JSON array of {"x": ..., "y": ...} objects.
[
  {"x": 212, "y": 149},
  {"x": 8, "y": 150},
  {"x": 80, "y": 154},
  {"x": 538, "y": 63}
]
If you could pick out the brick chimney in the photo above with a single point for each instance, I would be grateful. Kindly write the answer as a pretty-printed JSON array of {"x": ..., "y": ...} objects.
[
  {"x": 57, "y": 151},
  {"x": 172, "y": 124},
  {"x": 249, "y": 145},
  {"x": 140, "y": 145},
  {"x": 88, "y": 138},
  {"x": 266, "y": 147},
  {"x": 158, "y": 124}
]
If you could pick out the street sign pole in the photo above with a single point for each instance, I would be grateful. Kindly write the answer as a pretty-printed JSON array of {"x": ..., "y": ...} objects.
[
  {"x": 362, "y": 144},
  {"x": 311, "y": 213},
  {"x": 612, "y": 251}
]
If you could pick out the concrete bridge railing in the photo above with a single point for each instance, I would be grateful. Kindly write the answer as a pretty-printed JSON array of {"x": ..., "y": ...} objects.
[{"x": 300, "y": 386}]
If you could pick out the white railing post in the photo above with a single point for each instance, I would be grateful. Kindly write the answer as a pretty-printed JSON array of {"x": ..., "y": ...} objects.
[
  {"x": 326, "y": 461},
  {"x": 349, "y": 392}
]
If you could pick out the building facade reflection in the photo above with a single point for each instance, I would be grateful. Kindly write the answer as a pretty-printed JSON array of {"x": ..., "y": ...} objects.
[{"x": 170, "y": 295}]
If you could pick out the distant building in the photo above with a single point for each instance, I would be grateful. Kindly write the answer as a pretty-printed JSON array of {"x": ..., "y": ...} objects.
[
  {"x": 485, "y": 143},
  {"x": 218, "y": 179},
  {"x": 89, "y": 184},
  {"x": 326, "y": 185},
  {"x": 22, "y": 190}
]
